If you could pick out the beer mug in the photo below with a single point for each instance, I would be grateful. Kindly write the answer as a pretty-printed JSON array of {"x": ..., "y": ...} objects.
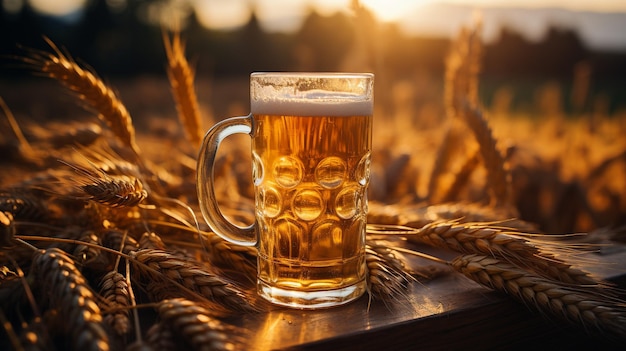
[{"x": 311, "y": 152}]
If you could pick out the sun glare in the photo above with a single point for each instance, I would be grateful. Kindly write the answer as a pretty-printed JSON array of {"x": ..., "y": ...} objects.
[
  {"x": 388, "y": 11},
  {"x": 57, "y": 8},
  {"x": 217, "y": 14}
]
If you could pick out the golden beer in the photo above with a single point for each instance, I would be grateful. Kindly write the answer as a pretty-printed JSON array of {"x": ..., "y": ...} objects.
[
  {"x": 311, "y": 148},
  {"x": 311, "y": 175}
]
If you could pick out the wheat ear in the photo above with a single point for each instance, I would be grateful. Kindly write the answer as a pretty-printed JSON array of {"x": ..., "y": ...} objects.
[
  {"x": 110, "y": 190},
  {"x": 196, "y": 324},
  {"x": 89, "y": 88},
  {"x": 160, "y": 337},
  {"x": 597, "y": 312},
  {"x": 181, "y": 77},
  {"x": 67, "y": 289},
  {"x": 168, "y": 268},
  {"x": 114, "y": 289},
  {"x": 498, "y": 175},
  {"x": 387, "y": 275},
  {"x": 516, "y": 247},
  {"x": 228, "y": 256}
]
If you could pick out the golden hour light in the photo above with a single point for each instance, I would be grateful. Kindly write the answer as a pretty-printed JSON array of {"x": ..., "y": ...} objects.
[
  {"x": 222, "y": 14},
  {"x": 57, "y": 8},
  {"x": 388, "y": 11},
  {"x": 312, "y": 175}
]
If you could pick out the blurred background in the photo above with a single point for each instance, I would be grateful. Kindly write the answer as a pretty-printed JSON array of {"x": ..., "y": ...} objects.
[
  {"x": 531, "y": 46},
  {"x": 551, "y": 81}
]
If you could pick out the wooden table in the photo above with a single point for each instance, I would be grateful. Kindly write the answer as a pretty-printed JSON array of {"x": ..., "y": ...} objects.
[{"x": 447, "y": 313}]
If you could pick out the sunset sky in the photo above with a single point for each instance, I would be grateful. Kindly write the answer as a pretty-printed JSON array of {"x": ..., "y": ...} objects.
[{"x": 602, "y": 23}]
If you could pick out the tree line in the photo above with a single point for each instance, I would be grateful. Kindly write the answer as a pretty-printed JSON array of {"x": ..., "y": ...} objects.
[{"x": 118, "y": 43}]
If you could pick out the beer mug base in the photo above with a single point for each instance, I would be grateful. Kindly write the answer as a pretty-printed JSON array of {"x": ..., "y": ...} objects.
[{"x": 311, "y": 299}]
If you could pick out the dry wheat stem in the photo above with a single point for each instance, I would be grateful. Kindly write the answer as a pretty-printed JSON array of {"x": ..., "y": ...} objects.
[
  {"x": 196, "y": 325},
  {"x": 10, "y": 332},
  {"x": 193, "y": 277},
  {"x": 67, "y": 289},
  {"x": 24, "y": 144},
  {"x": 181, "y": 77},
  {"x": 89, "y": 88},
  {"x": 133, "y": 303},
  {"x": 515, "y": 247},
  {"x": 595, "y": 312}
]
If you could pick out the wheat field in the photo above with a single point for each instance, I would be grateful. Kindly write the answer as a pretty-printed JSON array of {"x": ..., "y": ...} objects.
[{"x": 100, "y": 229}]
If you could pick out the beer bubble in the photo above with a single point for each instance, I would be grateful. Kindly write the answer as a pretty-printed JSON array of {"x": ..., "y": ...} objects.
[
  {"x": 348, "y": 202},
  {"x": 288, "y": 238},
  {"x": 308, "y": 204},
  {"x": 270, "y": 202},
  {"x": 363, "y": 169},
  {"x": 330, "y": 172},
  {"x": 287, "y": 171},
  {"x": 258, "y": 171}
]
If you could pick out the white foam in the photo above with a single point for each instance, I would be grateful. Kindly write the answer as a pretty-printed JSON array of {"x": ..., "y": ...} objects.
[{"x": 314, "y": 104}]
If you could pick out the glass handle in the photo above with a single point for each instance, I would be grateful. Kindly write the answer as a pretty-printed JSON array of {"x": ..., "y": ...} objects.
[{"x": 245, "y": 236}]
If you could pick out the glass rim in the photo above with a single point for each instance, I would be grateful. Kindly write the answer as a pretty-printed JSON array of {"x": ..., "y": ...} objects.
[{"x": 313, "y": 75}]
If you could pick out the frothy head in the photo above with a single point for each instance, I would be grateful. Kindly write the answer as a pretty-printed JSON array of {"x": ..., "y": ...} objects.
[{"x": 312, "y": 94}]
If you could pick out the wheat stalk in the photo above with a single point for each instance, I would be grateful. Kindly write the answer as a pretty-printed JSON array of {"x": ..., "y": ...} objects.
[
  {"x": 89, "y": 88},
  {"x": 461, "y": 97},
  {"x": 594, "y": 311},
  {"x": 181, "y": 77},
  {"x": 196, "y": 325},
  {"x": 515, "y": 247},
  {"x": 67, "y": 290},
  {"x": 168, "y": 268}
]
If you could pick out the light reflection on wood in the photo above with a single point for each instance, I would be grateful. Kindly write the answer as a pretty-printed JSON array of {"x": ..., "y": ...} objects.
[{"x": 441, "y": 310}]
